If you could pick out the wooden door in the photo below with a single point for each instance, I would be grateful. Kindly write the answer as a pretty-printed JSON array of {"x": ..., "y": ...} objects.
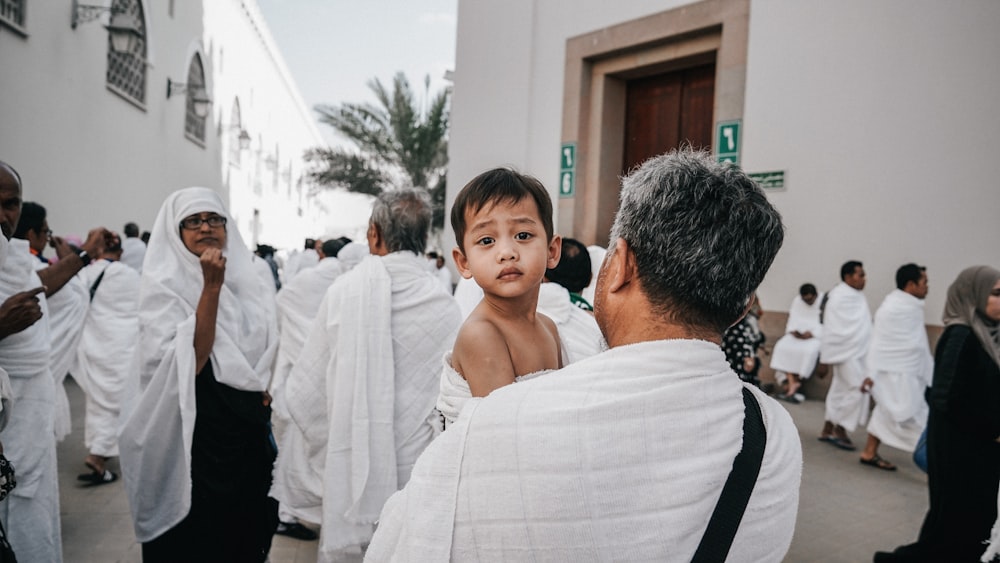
[{"x": 666, "y": 111}]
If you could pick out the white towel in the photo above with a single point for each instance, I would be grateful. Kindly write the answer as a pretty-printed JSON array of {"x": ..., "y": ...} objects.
[{"x": 621, "y": 456}]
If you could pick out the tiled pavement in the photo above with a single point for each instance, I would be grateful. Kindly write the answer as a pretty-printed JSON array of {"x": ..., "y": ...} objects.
[{"x": 847, "y": 511}]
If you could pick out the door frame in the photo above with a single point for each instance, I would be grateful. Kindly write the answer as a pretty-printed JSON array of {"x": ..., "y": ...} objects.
[{"x": 599, "y": 63}]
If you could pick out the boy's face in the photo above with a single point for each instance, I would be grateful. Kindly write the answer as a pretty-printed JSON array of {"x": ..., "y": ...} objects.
[{"x": 506, "y": 250}]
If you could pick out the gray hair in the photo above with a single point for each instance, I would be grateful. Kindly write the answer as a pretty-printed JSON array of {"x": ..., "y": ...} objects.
[
  {"x": 703, "y": 234},
  {"x": 403, "y": 218}
]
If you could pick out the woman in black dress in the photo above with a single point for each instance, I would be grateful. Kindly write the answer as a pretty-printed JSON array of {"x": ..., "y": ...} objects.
[
  {"x": 196, "y": 451},
  {"x": 964, "y": 426}
]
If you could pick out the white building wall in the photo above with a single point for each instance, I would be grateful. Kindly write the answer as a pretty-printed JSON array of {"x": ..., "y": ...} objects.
[
  {"x": 93, "y": 158},
  {"x": 880, "y": 114}
]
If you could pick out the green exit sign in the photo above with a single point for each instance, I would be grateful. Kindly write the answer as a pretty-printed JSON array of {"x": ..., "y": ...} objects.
[
  {"x": 727, "y": 141},
  {"x": 567, "y": 170}
]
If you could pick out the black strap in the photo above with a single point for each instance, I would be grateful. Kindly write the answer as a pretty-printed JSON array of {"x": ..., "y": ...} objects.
[
  {"x": 97, "y": 282},
  {"x": 732, "y": 504}
]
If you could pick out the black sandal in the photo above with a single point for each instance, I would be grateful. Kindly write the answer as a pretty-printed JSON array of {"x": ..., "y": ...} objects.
[
  {"x": 878, "y": 462},
  {"x": 94, "y": 478}
]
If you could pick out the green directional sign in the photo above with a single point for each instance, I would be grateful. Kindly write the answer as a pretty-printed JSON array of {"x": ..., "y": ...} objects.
[
  {"x": 727, "y": 141},
  {"x": 566, "y": 183},
  {"x": 567, "y": 170},
  {"x": 773, "y": 180}
]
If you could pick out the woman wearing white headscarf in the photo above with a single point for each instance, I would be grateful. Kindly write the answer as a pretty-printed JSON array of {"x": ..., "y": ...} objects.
[
  {"x": 963, "y": 428},
  {"x": 195, "y": 445}
]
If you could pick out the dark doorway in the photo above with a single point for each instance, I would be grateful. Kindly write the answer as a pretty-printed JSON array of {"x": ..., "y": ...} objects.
[{"x": 667, "y": 110}]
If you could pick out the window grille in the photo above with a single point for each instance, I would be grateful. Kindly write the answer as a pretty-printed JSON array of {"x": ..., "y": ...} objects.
[
  {"x": 12, "y": 11},
  {"x": 127, "y": 71},
  {"x": 194, "y": 125}
]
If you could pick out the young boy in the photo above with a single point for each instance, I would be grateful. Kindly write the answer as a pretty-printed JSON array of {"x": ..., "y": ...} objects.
[{"x": 503, "y": 227}]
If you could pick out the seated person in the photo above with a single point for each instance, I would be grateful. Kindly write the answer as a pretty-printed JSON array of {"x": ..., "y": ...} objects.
[{"x": 795, "y": 354}]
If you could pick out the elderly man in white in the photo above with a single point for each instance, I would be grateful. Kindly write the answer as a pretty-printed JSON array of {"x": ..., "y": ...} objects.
[
  {"x": 624, "y": 455},
  {"x": 847, "y": 328},
  {"x": 900, "y": 368},
  {"x": 361, "y": 394},
  {"x": 30, "y": 514}
]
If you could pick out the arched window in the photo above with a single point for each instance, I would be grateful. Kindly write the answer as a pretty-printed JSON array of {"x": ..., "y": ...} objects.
[
  {"x": 194, "y": 125},
  {"x": 127, "y": 70},
  {"x": 235, "y": 130}
]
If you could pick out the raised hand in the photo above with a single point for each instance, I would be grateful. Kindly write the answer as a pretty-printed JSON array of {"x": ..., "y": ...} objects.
[
  {"x": 20, "y": 311},
  {"x": 213, "y": 268}
]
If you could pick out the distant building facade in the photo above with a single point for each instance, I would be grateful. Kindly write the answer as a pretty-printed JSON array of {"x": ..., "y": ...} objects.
[
  {"x": 879, "y": 117},
  {"x": 99, "y": 136}
]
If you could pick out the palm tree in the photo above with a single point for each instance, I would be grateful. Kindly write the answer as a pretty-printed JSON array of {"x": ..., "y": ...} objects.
[{"x": 396, "y": 143}]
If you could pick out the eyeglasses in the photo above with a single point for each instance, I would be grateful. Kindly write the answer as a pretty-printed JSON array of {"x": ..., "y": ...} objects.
[{"x": 194, "y": 223}]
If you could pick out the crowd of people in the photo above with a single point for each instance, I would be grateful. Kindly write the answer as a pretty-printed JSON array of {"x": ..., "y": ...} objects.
[{"x": 562, "y": 401}]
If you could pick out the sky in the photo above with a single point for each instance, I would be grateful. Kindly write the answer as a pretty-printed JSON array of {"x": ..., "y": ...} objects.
[{"x": 334, "y": 48}]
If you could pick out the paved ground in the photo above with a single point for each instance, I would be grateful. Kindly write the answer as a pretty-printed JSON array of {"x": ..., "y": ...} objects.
[{"x": 847, "y": 511}]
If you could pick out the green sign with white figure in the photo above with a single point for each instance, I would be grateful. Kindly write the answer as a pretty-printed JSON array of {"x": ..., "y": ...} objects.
[
  {"x": 567, "y": 170},
  {"x": 727, "y": 141}
]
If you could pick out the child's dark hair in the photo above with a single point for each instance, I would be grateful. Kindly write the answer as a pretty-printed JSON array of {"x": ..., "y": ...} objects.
[{"x": 500, "y": 185}]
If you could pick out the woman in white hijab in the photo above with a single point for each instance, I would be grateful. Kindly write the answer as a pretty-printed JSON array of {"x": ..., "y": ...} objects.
[
  {"x": 963, "y": 430},
  {"x": 195, "y": 445}
]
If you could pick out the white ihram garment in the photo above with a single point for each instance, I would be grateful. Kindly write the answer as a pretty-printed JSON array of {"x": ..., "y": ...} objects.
[
  {"x": 133, "y": 253},
  {"x": 361, "y": 396},
  {"x": 901, "y": 367},
  {"x": 104, "y": 357},
  {"x": 847, "y": 327},
  {"x": 578, "y": 331},
  {"x": 298, "y": 302},
  {"x": 619, "y": 457},
  {"x": 67, "y": 312},
  {"x": 30, "y": 513},
  {"x": 158, "y": 404},
  {"x": 798, "y": 355}
]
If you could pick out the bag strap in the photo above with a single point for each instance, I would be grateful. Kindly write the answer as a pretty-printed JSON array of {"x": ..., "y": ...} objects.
[
  {"x": 97, "y": 282},
  {"x": 732, "y": 504}
]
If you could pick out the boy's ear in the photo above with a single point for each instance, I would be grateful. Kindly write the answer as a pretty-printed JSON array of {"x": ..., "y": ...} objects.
[
  {"x": 461, "y": 263},
  {"x": 555, "y": 252}
]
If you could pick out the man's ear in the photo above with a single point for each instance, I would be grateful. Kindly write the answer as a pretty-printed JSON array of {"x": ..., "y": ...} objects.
[
  {"x": 555, "y": 252},
  {"x": 461, "y": 263},
  {"x": 621, "y": 268}
]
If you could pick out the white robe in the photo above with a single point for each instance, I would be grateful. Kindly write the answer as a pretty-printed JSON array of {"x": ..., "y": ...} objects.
[
  {"x": 578, "y": 331},
  {"x": 104, "y": 356},
  {"x": 30, "y": 512},
  {"x": 468, "y": 294},
  {"x": 298, "y": 302},
  {"x": 847, "y": 327},
  {"x": 621, "y": 456},
  {"x": 67, "y": 313},
  {"x": 361, "y": 395},
  {"x": 6, "y": 392},
  {"x": 902, "y": 367},
  {"x": 158, "y": 404},
  {"x": 298, "y": 262},
  {"x": 798, "y": 355},
  {"x": 133, "y": 253},
  {"x": 597, "y": 254}
]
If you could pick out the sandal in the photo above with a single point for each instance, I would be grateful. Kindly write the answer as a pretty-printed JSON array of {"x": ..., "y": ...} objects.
[
  {"x": 94, "y": 478},
  {"x": 878, "y": 462}
]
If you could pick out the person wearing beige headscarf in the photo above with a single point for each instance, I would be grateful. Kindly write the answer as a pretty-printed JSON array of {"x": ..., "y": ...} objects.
[
  {"x": 195, "y": 447},
  {"x": 964, "y": 426}
]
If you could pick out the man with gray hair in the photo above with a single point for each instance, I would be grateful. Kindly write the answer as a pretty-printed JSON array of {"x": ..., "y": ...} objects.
[
  {"x": 625, "y": 455},
  {"x": 361, "y": 394}
]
